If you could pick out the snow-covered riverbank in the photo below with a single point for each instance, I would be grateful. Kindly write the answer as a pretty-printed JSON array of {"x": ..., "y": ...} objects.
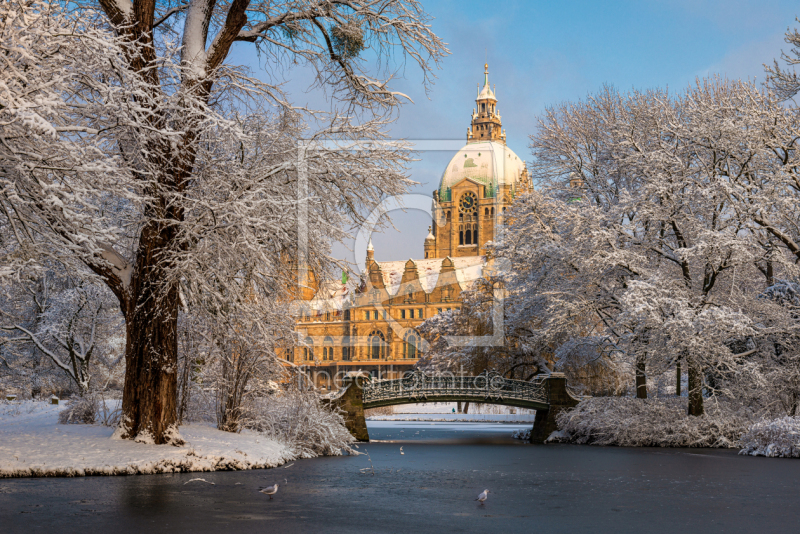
[{"x": 32, "y": 443}]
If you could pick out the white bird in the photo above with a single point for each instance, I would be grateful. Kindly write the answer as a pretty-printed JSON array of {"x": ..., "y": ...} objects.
[
  {"x": 483, "y": 496},
  {"x": 271, "y": 490}
]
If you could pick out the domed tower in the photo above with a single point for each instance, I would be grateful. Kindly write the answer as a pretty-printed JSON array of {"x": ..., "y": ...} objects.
[
  {"x": 478, "y": 184},
  {"x": 430, "y": 245}
]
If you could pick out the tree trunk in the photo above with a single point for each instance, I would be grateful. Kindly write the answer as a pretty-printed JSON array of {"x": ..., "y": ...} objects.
[
  {"x": 695, "y": 389},
  {"x": 466, "y": 407},
  {"x": 458, "y": 406},
  {"x": 641, "y": 378},
  {"x": 149, "y": 399}
]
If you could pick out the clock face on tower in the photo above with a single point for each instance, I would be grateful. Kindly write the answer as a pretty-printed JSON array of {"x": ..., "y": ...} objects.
[{"x": 468, "y": 202}]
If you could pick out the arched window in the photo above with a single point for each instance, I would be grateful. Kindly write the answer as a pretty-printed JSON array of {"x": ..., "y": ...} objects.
[
  {"x": 411, "y": 346},
  {"x": 327, "y": 348},
  {"x": 474, "y": 234},
  {"x": 468, "y": 237},
  {"x": 460, "y": 235},
  {"x": 492, "y": 212},
  {"x": 309, "y": 349},
  {"x": 486, "y": 212},
  {"x": 376, "y": 345},
  {"x": 448, "y": 217}
]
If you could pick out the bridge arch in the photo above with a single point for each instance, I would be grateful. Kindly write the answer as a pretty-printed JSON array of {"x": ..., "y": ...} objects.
[{"x": 547, "y": 394}]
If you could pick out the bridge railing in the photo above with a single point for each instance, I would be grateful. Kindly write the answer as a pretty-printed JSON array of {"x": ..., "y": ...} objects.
[{"x": 488, "y": 386}]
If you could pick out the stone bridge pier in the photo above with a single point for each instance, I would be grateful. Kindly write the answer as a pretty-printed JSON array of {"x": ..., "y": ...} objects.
[{"x": 547, "y": 394}]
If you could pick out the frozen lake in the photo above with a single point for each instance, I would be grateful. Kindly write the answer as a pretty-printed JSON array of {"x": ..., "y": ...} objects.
[{"x": 430, "y": 488}]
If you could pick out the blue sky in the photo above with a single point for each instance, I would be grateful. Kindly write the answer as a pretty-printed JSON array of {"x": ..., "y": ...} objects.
[{"x": 543, "y": 53}]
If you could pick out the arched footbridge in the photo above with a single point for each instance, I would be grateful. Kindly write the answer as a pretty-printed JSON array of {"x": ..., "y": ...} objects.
[{"x": 546, "y": 393}]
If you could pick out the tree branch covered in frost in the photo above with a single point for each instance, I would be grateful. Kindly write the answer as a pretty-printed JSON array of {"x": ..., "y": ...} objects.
[
  {"x": 74, "y": 326},
  {"x": 139, "y": 156}
]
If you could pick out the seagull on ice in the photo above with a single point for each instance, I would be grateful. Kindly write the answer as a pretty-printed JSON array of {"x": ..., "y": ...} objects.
[
  {"x": 270, "y": 490},
  {"x": 483, "y": 496}
]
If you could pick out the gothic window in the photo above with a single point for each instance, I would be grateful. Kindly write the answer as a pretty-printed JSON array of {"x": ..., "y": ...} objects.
[
  {"x": 468, "y": 237},
  {"x": 309, "y": 349},
  {"x": 486, "y": 212},
  {"x": 411, "y": 345},
  {"x": 376, "y": 345},
  {"x": 461, "y": 235},
  {"x": 327, "y": 348}
]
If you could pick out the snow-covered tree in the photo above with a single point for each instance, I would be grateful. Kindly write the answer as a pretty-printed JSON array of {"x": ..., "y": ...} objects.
[
  {"x": 647, "y": 232},
  {"x": 61, "y": 323},
  {"x": 132, "y": 152}
]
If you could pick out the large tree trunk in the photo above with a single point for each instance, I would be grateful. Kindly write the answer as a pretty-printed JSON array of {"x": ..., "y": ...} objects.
[
  {"x": 641, "y": 378},
  {"x": 695, "y": 389},
  {"x": 149, "y": 400}
]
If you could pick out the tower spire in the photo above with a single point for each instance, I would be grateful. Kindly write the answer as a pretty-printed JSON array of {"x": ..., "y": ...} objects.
[{"x": 486, "y": 124}]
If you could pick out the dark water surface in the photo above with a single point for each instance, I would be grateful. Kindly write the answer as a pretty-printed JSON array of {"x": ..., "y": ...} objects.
[{"x": 430, "y": 488}]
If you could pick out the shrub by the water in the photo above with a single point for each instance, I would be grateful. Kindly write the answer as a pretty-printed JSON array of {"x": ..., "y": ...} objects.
[
  {"x": 632, "y": 422},
  {"x": 777, "y": 438}
]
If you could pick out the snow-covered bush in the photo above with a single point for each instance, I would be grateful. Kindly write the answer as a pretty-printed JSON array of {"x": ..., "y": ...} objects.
[
  {"x": 91, "y": 409},
  {"x": 777, "y": 438},
  {"x": 631, "y": 422},
  {"x": 81, "y": 411},
  {"x": 300, "y": 419}
]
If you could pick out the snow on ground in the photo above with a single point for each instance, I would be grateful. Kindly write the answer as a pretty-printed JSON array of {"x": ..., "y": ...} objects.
[{"x": 32, "y": 443}]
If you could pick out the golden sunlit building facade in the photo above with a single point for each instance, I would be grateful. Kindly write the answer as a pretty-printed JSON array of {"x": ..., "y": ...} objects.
[{"x": 369, "y": 324}]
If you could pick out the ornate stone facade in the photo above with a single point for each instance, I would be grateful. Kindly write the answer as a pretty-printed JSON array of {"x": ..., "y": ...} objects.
[{"x": 370, "y": 324}]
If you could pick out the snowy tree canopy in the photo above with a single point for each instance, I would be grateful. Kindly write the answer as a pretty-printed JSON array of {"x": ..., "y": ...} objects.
[
  {"x": 132, "y": 152},
  {"x": 656, "y": 239}
]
